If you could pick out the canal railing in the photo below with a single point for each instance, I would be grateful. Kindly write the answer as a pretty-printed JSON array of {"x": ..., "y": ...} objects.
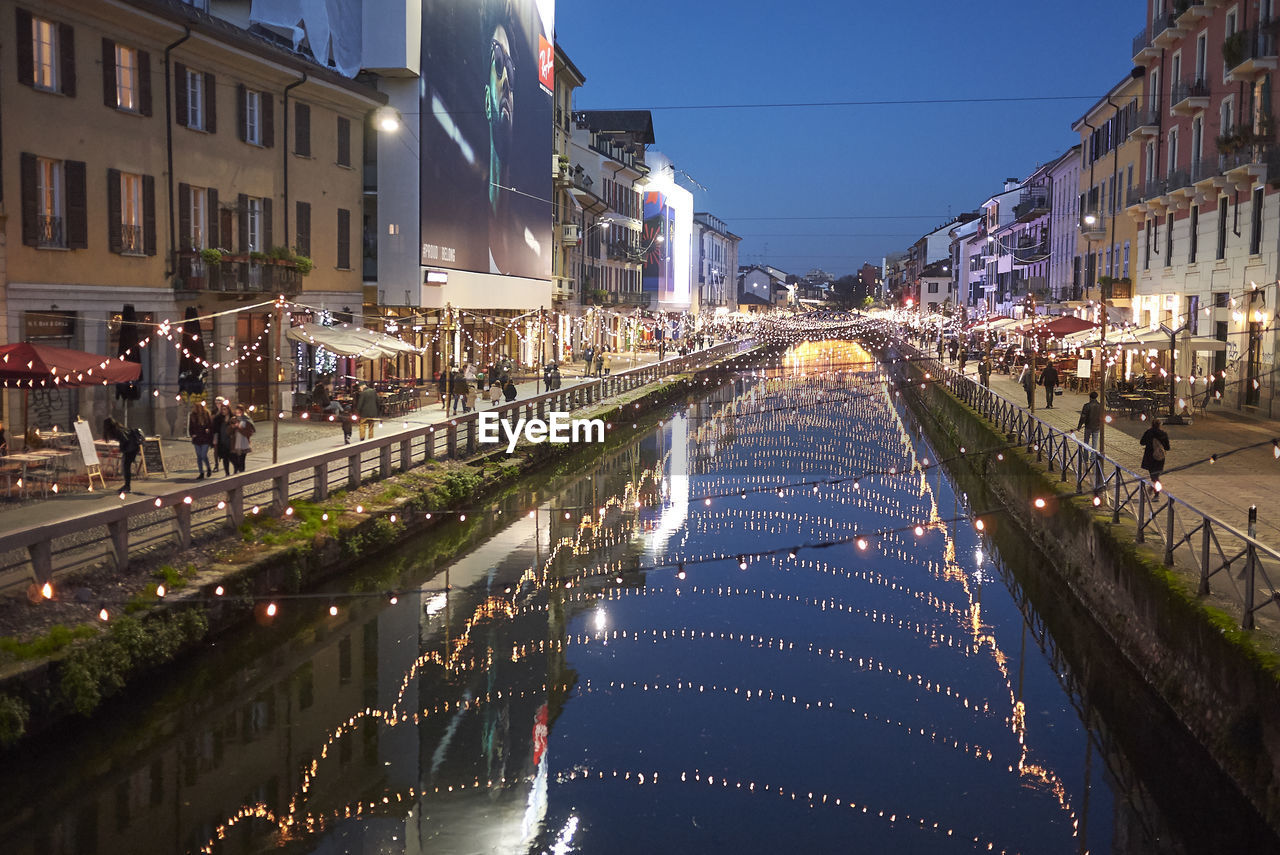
[
  {"x": 1222, "y": 555},
  {"x": 177, "y": 515}
]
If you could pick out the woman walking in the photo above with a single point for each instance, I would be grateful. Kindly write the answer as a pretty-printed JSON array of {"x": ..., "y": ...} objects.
[
  {"x": 200, "y": 429},
  {"x": 242, "y": 429},
  {"x": 222, "y": 436},
  {"x": 1155, "y": 443}
]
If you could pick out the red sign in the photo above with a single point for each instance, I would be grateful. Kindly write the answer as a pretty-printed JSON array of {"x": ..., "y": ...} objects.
[
  {"x": 539, "y": 734},
  {"x": 546, "y": 63}
]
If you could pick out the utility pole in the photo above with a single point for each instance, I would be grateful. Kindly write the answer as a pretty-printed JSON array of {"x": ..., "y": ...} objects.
[{"x": 277, "y": 323}]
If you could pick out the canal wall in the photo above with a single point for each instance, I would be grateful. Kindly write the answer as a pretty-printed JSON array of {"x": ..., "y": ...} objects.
[
  {"x": 1215, "y": 679},
  {"x": 223, "y": 588}
]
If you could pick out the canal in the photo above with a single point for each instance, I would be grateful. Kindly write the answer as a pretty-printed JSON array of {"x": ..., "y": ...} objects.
[{"x": 766, "y": 623}]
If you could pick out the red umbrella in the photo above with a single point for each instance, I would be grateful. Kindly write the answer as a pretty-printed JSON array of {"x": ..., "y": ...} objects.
[
  {"x": 1066, "y": 325},
  {"x": 30, "y": 366}
]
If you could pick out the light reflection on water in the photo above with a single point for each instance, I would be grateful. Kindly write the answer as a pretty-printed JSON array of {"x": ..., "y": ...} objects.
[{"x": 602, "y": 675}]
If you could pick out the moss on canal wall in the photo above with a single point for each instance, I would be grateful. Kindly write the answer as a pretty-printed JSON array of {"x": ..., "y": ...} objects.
[
  {"x": 1222, "y": 685},
  {"x": 272, "y": 556}
]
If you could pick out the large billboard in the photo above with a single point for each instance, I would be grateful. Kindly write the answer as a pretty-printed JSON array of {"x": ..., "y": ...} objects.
[
  {"x": 658, "y": 227},
  {"x": 485, "y": 126}
]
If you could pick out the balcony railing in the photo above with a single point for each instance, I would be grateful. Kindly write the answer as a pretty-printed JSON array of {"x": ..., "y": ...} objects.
[
  {"x": 1093, "y": 225},
  {"x": 131, "y": 238},
  {"x": 1141, "y": 42},
  {"x": 1186, "y": 90},
  {"x": 1031, "y": 203},
  {"x": 1133, "y": 196},
  {"x": 1030, "y": 251},
  {"x": 237, "y": 276},
  {"x": 49, "y": 231},
  {"x": 1153, "y": 188},
  {"x": 1205, "y": 168},
  {"x": 1177, "y": 179},
  {"x": 1162, "y": 24},
  {"x": 1249, "y": 51}
]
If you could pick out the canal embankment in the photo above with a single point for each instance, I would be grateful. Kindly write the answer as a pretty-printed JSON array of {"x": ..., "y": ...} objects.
[
  {"x": 1222, "y": 683},
  {"x": 182, "y": 596}
]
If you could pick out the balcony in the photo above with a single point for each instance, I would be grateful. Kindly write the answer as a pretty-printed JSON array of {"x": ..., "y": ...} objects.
[
  {"x": 1190, "y": 96},
  {"x": 1165, "y": 31},
  {"x": 1033, "y": 204},
  {"x": 570, "y": 234},
  {"x": 1143, "y": 50},
  {"x": 1205, "y": 169},
  {"x": 1177, "y": 180},
  {"x": 561, "y": 173},
  {"x": 1249, "y": 54},
  {"x": 236, "y": 276},
  {"x": 1190, "y": 12},
  {"x": 1133, "y": 196},
  {"x": 1145, "y": 123},
  {"x": 131, "y": 239},
  {"x": 1093, "y": 225},
  {"x": 1030, "y": 251}
]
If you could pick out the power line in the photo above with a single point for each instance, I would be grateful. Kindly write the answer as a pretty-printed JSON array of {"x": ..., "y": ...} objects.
[{"x": 880, "y": 102}]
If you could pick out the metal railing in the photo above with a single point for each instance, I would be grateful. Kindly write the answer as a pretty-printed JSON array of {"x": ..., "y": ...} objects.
[
  {"x": 1220, "y": 553},
  {"x": 177, "y": 515},
  {"x": 49, "y": 231}
]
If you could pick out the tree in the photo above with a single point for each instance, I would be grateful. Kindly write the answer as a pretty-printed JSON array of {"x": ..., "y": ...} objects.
[{"x": 847, "y": 292}]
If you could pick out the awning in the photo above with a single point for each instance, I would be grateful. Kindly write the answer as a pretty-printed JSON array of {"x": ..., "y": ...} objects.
[
  {"x": 1159, "y": 340},
  {"x": 37, "y": 365},
  {"x": 349, "y": 340}
]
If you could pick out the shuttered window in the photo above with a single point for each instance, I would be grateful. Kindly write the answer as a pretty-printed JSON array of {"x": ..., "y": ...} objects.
[
  {"x": 344, "y": 239},
  {"x": 46, "y": 54},
  {"x": 126, "y": 78},
  {"x": 302, "y": 240},
  {"x": 54, "y": 207},
  {"x": 302, "y": 129},
  {"x": 344, "y": 141}
]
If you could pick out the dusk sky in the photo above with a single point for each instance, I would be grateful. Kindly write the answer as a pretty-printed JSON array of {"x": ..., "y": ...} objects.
[{"x": 834, "y": 186}]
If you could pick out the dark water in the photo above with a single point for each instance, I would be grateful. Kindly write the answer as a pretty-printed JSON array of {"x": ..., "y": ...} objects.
[{"x": 604, "y": 676}]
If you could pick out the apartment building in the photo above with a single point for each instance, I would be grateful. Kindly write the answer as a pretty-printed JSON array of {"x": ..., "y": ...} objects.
[
  {"x": 715, "y": 258},
  {"x": 159, "y": 157},
  {"x": 998, "y": 277},
  {"x": 1207, "y": 219},
  {"x": 567, "y": 213},
  {"x": 1064, "y": 218},
  {"x": 1114, "y": 134}
]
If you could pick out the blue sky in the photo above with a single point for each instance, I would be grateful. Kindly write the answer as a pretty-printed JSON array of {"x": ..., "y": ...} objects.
[{"x": 900, "y": 169}]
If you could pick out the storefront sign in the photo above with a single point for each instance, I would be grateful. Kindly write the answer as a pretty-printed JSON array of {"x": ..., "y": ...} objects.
[{"x": 50, "y": 324}]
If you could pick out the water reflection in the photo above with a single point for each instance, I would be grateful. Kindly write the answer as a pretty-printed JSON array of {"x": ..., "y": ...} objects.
[{"x": 652, "y": 653}]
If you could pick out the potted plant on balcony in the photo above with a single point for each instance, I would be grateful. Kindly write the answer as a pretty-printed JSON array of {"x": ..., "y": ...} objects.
[
  {"x": 303, "y": 263},
  {"x": 1229, "y": 143},
  {"x": 211, "y": 256},
  {"x": 256, "y": 257},
  {"x": 1234, "y": 49}
]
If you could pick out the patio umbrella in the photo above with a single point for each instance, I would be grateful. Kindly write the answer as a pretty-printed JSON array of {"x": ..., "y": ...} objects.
[
  {"x": 192, "y": 363},
  {"x": 129, "y": 350},
  {"x": 29, "y": 366}
]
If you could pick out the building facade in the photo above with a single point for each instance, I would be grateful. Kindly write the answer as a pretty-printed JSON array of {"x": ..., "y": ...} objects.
[
  {"x": 715, "y": 258},
  {"x": 1206, "y": 215},
  {"x": 167, "y": 159},
  {"x": 1064, "y": 220}
]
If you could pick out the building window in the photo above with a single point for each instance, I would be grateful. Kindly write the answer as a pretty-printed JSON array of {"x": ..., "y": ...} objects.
[
  {"x": 1255, "y": 230},
  {"x": 127, "y": 96},
  {"x": 131, "y": 214},
  {"x": 302, "y": 240},
  {"x": 1222, "y": 228},
  {"x": 344, "y": 239},
  {"x": 196, "y": 99},
  {"x": 54, "y": 210},
  {"x": 44, "y": 46},
  {"x": 344, "y": 141},
  {"x": 198, "y": 212},
  {"x": 302, "y": 129},
  {"x": 253, "y": 225},
  {"x": 1146, "y": 248},
  {"x": 1193, "y": 236},
  {"x": 49, "y": 203},
  {"x": 1168, "y": 241},
  {"x": 253, "y": 117},
  {"x": 1126, "y": 260}
]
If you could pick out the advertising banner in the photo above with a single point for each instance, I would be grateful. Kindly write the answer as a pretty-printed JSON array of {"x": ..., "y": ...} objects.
[
  {"x": 485, "y": 122},
  {"x": 658, "y": 227}
]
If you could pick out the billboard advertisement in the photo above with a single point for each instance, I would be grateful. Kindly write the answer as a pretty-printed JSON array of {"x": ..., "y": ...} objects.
[
  {"x": 485, "y": 129},
  {"x": 659, "y": 222}
]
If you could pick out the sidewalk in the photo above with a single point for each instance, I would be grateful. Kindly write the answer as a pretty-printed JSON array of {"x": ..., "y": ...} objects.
[
  {"x": 298, "y": 439},
  {"x": 1224, "y": 489}
]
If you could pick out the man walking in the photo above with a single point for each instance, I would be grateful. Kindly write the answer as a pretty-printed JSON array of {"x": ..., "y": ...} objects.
[
  {"x": 984, "y": 370},
  {"x": 1027, "y": 379},
  {"x": 367, "y": 410},
  {"x": 1049, "y": 379},
  {"x": 1091, "y": 420}
]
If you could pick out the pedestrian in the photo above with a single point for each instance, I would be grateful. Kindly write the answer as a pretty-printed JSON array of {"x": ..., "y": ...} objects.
[
  {"x": 1027, "y": 379},
  {"x": 1049, "y": 379},
  {"x": 600, "y": 361},
  {"x": 367, "y": 410},
  {"x": 963, "y": 359},
  {"x": 588, "y": 357},
  {"x": 242, "y": 431},
  {"x": 941, "y": 348},
  {"x": 509, "y": 390},
  {"x": 546, "y": 377},
  {"x": 495, "y": 394},
  {"x": 442, "y": 386},
  {"x": 984, "y": 370},
  {"x": 555, "y": 376},
  {"x": 461, "y": 389},
  {"x": 953, "y": 347},
  {"x": 1155, "y": 443},
  {"x": 222, "y": 421},
  {"x": 200, "y": 429},
  {"x": 130, "y": 443},
  {"x": 320, "y": 396},
  {"x": 1091, "y": 420},
  {"x": 339, "y": 413}
]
